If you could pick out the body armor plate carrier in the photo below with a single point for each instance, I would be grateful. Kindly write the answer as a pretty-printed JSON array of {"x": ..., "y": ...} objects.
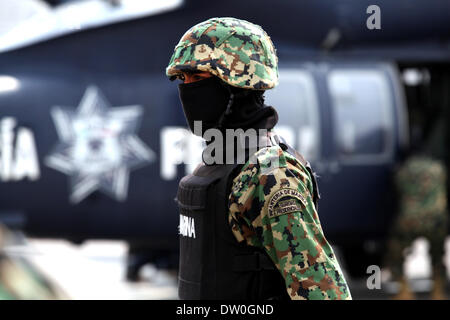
[{"x": 213, "y": 264}]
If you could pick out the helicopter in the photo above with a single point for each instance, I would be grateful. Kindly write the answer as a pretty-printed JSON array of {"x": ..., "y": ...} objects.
[{"x": 93, "y": 140}]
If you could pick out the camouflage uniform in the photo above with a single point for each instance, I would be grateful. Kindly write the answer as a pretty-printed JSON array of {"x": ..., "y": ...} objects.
[
  {"x": 274, "y": 210},
  {"x": 270, "y": 209},
  {"x": 421, "y": 187},
  {"x": 19, "y": 280}
]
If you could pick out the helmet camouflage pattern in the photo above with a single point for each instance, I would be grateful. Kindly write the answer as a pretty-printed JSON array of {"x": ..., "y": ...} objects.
[{"x": 237, "y": 51}]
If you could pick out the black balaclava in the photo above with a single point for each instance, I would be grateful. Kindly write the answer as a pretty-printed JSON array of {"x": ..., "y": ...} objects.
[
  {"x": 219, "y": 105},
  {"x": 204, "y": 100},
  {"x": 249, "y": 111}
]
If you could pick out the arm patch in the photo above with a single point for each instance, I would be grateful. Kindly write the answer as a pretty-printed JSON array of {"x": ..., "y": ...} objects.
[{"x": 284, "y": 201}]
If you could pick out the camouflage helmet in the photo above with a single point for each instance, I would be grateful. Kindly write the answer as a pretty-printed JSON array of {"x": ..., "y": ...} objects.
[{"x": 237, "y": 51}]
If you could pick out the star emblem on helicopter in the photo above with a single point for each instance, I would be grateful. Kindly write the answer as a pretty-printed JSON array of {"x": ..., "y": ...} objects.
[{"x": 98, "y": 146}]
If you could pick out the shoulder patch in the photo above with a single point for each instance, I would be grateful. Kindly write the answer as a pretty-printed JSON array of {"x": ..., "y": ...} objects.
[{"x": 284, "y": 201}]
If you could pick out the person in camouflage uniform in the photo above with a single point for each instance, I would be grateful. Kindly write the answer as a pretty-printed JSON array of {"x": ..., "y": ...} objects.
[
  {"x": 270, "y": 207},
  {"x": 293, "y": 238},
  {"x": 19, "y": 279},
  {"x": 421, "y": 187}
]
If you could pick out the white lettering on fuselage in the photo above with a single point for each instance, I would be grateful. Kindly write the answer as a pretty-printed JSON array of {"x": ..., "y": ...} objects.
[
  {"x": 19, "y": 161},
  {"x": 179, "y": 147}
]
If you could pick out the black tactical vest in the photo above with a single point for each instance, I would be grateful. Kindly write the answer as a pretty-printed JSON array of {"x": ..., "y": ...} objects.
[{"x": 213, "y": 264}]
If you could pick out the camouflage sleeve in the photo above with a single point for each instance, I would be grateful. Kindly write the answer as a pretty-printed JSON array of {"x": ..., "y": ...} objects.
[{"x": 273, "y": 209}]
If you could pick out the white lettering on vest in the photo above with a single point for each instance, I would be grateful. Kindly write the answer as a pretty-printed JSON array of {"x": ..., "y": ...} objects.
[{"x": 187, "y": 226}]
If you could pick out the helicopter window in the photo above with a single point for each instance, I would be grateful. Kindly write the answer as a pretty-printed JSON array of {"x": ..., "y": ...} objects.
[
  {"x": 295, "y": 99},
  {"x": 363, "y": 115}
]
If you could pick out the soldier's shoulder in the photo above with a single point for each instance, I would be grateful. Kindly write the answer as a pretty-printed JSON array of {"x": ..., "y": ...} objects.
[
  {"x": 270, "y": 166},
  {"x": 272, "y": 160},
  {"x": 417, "y": 166},
  {"x": 275, "y": 183},
  {"x": 422, "y": 161}
]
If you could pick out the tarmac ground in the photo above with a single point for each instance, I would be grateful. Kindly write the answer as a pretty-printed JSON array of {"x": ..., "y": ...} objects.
[{"x": 96, "y": 270}]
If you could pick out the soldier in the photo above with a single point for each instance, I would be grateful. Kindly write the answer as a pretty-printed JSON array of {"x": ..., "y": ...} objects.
[
  {"x": 421, "y": 188},
  {"x": 19, "y": 279},
  {"x": 250, "y": 229},
  {"x": 420, "y": 183}
]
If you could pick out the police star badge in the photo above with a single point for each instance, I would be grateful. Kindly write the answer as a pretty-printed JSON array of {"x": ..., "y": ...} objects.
[{"x": 98, "y": 146}]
